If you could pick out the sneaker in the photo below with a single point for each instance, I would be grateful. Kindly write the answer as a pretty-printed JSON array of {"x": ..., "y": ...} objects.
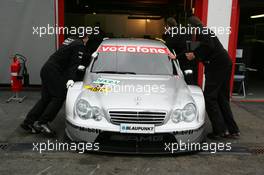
[
  {"x": 44, "y": 128},
  {"x": 29, "y": 128},
  {"x": 234, "y": 135}
]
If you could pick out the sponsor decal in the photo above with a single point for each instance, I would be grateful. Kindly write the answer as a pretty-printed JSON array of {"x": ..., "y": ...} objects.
[
  {"x": 80, "y": 55},
  {"x": 106, "y": 81},
  {"x": 67, "y": 41},
  {"x": 137, "y": 128},
  {"x": 134, "y": 49},
  {"x": 186, "y": 132},
  {"x": 97, "y": 88},
  {"x": 91, "y": 130},
  {"x": 141, "y": 138}
]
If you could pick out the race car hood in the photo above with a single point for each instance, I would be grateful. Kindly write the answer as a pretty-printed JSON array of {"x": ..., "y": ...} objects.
[{"x": 141, "y": 92}]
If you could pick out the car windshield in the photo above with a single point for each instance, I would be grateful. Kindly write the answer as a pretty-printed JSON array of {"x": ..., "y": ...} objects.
[{"x": 133, "y": 63}]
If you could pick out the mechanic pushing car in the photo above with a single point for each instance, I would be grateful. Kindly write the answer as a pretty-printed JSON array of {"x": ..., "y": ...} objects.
[
  {"x": 218, "y": 67},
  {"x": 59, "y": 72}
]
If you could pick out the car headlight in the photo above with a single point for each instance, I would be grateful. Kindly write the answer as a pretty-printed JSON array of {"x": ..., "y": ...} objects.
[
  {"x": 187, "y": 114},
  {"x": 97, "y": 113},
  {"x": 176, "y": 116},
  {"x": 85, "y": 111}
]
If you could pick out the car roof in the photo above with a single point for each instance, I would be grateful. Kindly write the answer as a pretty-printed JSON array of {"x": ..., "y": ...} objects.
[{"x": 133, "y": 42}]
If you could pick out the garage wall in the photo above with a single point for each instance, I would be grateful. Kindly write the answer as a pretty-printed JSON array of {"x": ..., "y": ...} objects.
[
  {"x": 219, "y": 15},
  {"x": 72, "y": 19},
  {"x": 118, "y": 25},
  {"x": 122, "y": 26},
  {"x": 17, "y": 18}
]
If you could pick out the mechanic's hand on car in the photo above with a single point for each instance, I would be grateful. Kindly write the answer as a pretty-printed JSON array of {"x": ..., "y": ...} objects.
[
  {"x": 70, "y": 83},
  {"x": 172, "y": 56},
  {"x": 190, "y": 56}
]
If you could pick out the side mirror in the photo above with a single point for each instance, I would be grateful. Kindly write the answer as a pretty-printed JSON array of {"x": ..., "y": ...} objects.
[
  {"x": 188, "y": 72},
  {"x": 95, "y": 54},
  {"x": 188, "y": 76},
  {"x": 81, "y": 68}
]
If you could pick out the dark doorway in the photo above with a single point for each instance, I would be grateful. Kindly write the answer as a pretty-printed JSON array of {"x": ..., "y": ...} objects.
[{"x": 251, "y": 45}]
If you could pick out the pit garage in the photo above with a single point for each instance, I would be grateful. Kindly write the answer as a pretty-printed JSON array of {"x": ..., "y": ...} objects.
[
  {"x": 248, "y": 64},
  {"x": 26, "y": 32}
]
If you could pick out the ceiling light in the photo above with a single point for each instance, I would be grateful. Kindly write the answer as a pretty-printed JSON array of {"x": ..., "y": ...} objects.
[
  {"x": 144, "y": 17},
  {"x": 86, "y": 6},
  {"x": 94, "y": 13},
  {"x": 257, "y": 16}
]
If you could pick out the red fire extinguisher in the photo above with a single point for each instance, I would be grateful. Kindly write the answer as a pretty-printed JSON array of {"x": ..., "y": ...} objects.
[
  {"x": 16, "y": 81},
  {"x": 18, "y": 74}
]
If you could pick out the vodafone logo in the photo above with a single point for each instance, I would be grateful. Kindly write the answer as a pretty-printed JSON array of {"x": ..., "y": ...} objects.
[{"x": 133, "y": 49}]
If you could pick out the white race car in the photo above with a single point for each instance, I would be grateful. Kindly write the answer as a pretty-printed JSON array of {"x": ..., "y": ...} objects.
[{"x": 134, "y": 99}]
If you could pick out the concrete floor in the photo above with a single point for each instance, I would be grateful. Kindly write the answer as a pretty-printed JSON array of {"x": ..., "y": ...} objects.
[{"x": 249, "y": 117}]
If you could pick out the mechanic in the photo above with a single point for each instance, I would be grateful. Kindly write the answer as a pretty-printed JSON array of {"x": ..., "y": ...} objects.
[
  {"x": 57, "y": 74},
  {"x": 218, "y": 67},
  {"x": 95, "y": 39},
  {"x": 177, "y": 42}
]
